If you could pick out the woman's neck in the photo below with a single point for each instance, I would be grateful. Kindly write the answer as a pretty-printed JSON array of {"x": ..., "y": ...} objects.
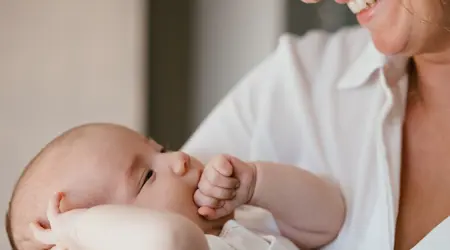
[{"x": 430, "y": 81}]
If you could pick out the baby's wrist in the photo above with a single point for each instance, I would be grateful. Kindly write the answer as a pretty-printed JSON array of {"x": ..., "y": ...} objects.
[{"x": 252, "y": 198}]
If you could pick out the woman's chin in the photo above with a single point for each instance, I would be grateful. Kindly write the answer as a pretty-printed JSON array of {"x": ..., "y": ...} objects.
[
  {"x": 393, "y": 34},
  {"x": 390, "y": 45}
]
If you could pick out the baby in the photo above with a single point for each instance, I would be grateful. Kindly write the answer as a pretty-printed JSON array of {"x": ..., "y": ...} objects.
[{"x": 149, "y": 190}]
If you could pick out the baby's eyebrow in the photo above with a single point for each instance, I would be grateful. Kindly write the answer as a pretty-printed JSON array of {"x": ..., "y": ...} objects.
[{"x": 135, "y": 162}]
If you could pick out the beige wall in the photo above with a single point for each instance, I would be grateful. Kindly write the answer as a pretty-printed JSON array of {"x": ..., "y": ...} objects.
[{"x": 63, "y": 63}]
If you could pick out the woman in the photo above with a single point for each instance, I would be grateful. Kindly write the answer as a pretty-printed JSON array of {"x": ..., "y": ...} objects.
[{"x": 368, "y": 107}]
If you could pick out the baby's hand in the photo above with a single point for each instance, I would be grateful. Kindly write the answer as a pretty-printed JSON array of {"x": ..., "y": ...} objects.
[
  {"x": 226, "y": 184},
  {"x": 61, "y": 225}
]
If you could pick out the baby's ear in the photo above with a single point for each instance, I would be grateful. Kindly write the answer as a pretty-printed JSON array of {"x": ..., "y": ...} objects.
[
  {"x": 64, "y": 204},
  {"x": 44, "y": 236},
  {"x": 75, "y": 199}
]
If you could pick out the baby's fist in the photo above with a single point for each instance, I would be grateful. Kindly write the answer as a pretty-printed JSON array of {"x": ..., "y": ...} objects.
[{"x": 226, "y": 184}]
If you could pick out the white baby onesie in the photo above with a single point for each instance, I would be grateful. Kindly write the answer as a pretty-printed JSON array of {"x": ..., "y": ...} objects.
[
  {"x": 253, "y": 229},
  {"x": 236, "y": 237},
  {"x": 127, "y": 227}
]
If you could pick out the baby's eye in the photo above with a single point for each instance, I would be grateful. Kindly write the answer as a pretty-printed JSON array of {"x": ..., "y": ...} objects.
[{"x": 149, "y": 175}]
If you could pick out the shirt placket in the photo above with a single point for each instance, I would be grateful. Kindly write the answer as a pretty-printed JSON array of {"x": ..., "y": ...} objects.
[{"x": 389, "y": 148}]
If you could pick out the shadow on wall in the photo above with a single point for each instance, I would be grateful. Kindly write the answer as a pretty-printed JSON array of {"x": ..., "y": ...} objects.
[
  {"x": 326, "y": 15},
  {"x": 199, "y": 49}
]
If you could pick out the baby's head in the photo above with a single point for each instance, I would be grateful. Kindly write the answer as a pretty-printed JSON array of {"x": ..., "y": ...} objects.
[{"x": 103, "y": 164}]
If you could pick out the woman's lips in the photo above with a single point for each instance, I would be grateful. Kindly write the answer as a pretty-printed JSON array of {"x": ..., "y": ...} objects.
[
  {"x": 357, "y": 6},
  {"x": 316, "y": 1},
  {"x": 366, "y": 15}
]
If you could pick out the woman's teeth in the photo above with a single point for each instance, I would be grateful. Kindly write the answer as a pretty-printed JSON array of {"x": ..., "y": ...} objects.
[{"x": 357, "y": 6}]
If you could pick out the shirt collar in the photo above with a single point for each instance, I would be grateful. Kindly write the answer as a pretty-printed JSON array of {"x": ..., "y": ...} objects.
[{"x": 369, "y": 61}]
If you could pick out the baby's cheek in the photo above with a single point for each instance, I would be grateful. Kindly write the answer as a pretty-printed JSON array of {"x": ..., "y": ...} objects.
[
  {"x": 86, "y": 199},
  {"x": 143, "y": 200}
]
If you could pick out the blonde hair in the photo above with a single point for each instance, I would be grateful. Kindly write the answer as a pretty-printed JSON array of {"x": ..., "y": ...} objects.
[
  {"x": 35, "y": 167},
  {"x": 425, "y": 20}
]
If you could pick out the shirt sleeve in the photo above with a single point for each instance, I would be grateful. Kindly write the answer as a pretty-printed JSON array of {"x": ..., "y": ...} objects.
[{"x": 228, "y": 128}]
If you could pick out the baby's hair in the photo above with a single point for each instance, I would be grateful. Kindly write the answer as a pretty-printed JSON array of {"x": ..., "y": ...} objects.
[
  {"x": 27, "y": 172},
  {"x": 12, "y": 243},
  {"x": 17, "y": 189},
  {"x": 14, "y": 219}
]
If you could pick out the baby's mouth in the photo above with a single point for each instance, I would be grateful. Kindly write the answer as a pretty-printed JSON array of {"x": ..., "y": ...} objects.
[{"x": 356, "y": 6}]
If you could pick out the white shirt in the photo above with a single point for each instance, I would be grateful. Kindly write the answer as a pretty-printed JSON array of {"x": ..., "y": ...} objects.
[
  {"x": 236, "y": 236},
  {"x": 331, "y": 104}
]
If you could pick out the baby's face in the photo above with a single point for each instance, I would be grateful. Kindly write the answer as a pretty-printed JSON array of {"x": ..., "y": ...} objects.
[
  {"x": 106, "y": 164},
  {"x": 131, "y": 169},
  {"x": 158, "y": 187}
]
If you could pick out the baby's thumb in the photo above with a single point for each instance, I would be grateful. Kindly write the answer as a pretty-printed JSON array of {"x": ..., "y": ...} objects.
[{"x": 207, "y": 212}]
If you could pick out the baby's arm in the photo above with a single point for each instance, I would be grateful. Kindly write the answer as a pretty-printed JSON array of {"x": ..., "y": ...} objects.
[
  {"x": 309, "y": 210},
  {"x": 115, "y": 227}
]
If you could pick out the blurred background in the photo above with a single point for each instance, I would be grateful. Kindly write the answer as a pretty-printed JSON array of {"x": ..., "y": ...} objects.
[{"x": 156, "y": 66}]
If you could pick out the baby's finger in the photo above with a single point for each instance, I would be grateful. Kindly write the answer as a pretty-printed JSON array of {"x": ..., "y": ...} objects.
[
  {"x": 207, "y": 212},
  {"x": 221, "y": 212},
  {"x": 217, "y": 179},
  {"x": 222, "y": 165},
  {"x": 202, "y": 200},
  {"x": 45, "y": 236},
  {"x": 210, "y": 190}
]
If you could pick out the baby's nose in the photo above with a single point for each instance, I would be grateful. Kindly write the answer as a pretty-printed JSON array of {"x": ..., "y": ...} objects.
[{"x": 181, "y": 163}]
